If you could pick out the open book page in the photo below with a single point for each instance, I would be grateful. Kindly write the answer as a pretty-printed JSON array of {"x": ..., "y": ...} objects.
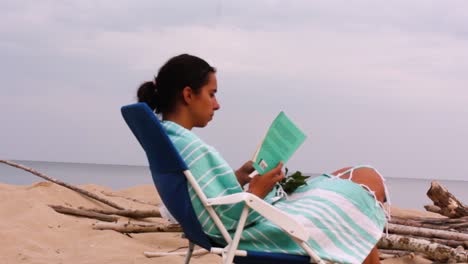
[{"x": 282, "y": 139}]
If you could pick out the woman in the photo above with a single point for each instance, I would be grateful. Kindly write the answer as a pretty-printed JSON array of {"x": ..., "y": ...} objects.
[{"x": 343, "y": 210}]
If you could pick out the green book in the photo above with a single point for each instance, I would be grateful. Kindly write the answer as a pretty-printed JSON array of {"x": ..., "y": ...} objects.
[{"x": 281, "y": 140}]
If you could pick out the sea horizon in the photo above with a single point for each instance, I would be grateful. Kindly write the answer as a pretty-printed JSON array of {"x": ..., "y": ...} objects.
[
  {"x": 409, "y": 193},
  {"x": 142, "y": 165}
]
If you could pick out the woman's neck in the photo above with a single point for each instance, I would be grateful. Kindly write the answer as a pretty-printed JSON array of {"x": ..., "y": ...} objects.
[{"x": 182, "y": 120}]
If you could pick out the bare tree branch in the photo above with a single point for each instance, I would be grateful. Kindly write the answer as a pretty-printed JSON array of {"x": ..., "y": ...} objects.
[
  {"x": 66, "y": 185},
  {"x": 450, "y": 206},
  {"x": 137, "y": 228},
  {"x": 197, "y": 252},
  {"x": 432, "y": 250},
  {"x": 83, "y": 213},
  {"x": 426, "y": 232},
  {"x": 128, "y": 198},
  {"x": 127, "y": 213}
]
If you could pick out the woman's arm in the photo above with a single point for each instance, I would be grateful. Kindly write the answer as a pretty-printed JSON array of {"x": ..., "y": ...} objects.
[{"x": 261, "y": 185}]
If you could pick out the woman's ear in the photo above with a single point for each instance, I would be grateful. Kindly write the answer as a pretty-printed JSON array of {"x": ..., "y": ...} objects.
[{"x": 187, "y": 95}]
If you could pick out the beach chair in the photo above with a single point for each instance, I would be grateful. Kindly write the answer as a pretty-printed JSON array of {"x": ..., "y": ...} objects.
[{"x": 170, "y": 175}]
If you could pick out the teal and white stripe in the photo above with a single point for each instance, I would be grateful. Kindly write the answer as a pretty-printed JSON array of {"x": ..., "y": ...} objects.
[{"x": 344, "y": 220}]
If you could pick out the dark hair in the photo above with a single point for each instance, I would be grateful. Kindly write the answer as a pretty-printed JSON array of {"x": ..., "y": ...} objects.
[{"x": 176, "y": 74}]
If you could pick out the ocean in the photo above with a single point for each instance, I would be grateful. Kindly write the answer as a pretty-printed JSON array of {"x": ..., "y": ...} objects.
[{"x": 404, "y": 192}]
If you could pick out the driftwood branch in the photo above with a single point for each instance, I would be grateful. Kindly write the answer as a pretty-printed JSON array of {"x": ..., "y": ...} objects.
[
  {"x": 432, "y": 250},
  {"x": 127, "y": 213},
  {"x": 450, "y": 206},
  {"x": 137, "y": 228},
  {"x": 433, "y": 208},
  {"x": 197, "y": 252},
  {"x": 447, "y": 242},
  {"x": 444, "y": 223},
  {"x": 389, "y": 253},
  {"x": 442, "y": 239},
  {"x": 66, "y": 185},
  {"x": 83, "y": 213},
  {"x": 444, "y": 220},
  {"x": 128, "y": 198},
  {"x": 426, "y": 232},
  {"x": 414, "y": 223}
]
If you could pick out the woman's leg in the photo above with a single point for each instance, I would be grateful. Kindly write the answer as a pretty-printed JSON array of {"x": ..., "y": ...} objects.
[
  {"x": 373, "y": 257},
  {"x": 370, "y": 178}
]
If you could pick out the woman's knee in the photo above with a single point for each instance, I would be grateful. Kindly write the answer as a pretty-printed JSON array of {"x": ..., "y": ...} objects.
[
  {"x": 365, "y": 176},
  {"x": 370, "y": 178}
]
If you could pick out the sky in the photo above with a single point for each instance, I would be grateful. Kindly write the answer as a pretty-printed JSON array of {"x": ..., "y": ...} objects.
[{"x": 370, "y": 82}]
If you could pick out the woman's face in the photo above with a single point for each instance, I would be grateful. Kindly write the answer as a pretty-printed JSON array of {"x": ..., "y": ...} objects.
[{"x": 205, "y": 103}]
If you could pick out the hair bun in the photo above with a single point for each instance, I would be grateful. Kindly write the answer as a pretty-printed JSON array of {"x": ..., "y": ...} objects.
[{"x": 147, "y": 93}]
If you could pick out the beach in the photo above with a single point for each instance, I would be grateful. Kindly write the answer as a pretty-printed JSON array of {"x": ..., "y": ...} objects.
[{"x": 32, "y": 232}]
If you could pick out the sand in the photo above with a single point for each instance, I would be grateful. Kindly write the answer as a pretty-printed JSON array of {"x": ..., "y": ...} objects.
[{"x": 32, "y": 232}]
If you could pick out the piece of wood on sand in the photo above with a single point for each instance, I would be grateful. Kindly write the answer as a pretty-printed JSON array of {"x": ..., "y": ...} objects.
[
  {"x": 111, "y": 194},
  {"x": 449, "y": 205},
  {"x": 127, "y": 213},
  {"x": 414, "y": 223},
  {"x": 84, "y": 213},
  {"x": 66, "y": 185},
  {"x": 433, "y": 250},
  {"x": 197, "y": 252},
  {"x": 389, "y": 253},
  {"x": 426, "y": 232},
  {"x": 138, "y": 227},
  {"x": 447, "y": 242},
  {"x": 440, "y": 223}
]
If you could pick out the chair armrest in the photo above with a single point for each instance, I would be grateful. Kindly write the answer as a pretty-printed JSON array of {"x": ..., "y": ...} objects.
[
  {"x": 276, "y": 216},
  {"x": 229, "y": 199}
]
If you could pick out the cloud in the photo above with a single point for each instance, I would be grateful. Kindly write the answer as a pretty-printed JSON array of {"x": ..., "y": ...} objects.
[
  {"x": 389, "y": 64},
  {"x": 336, "y": 66}
]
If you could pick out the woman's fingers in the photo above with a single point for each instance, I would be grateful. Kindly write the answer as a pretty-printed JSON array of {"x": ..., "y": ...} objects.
[
  {"x": 277, "y": 174},
  {"x": 261, "y": 185},
  {"x": 278, "y": 168}
]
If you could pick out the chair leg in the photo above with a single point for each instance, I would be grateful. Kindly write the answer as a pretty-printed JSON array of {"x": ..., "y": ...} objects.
[
  {"x": 228, "y": 257},
  {"x": 189, "y": 252}
]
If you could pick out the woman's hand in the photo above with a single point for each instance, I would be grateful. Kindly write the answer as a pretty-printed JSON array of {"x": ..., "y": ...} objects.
[
  {"x": 243, "y": 173},
  {"x": 261, "y": 185}
]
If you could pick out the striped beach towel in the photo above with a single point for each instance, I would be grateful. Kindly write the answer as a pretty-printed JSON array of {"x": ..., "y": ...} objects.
[{"x": 344, "y": 220}]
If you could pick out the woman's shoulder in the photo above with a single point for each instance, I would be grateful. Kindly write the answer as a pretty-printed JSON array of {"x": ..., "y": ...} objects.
[
  {"x": 178, "y": 134},
  {"x": 190, "y": 145},
  {"x": 174, "y": 129}
]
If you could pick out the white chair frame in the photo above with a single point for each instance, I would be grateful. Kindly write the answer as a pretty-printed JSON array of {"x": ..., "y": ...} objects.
[{"x": 289, "y": 225}]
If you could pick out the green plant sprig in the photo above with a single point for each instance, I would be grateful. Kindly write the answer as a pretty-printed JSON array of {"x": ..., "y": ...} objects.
[{"x": 291, "y": 182}]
